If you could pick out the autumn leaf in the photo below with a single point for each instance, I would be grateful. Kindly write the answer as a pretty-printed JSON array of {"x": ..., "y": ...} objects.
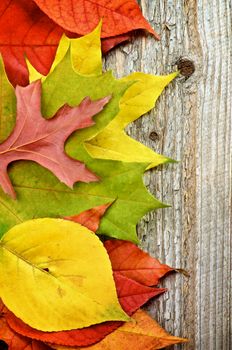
[
  {"x": 42, "y": 195},
  {"x": 120, "y": 183},
  {"x": 132, "y": 296},
  {"x": 90, "y": 218},
  {"x": 109, "y": 43},
  {"x": 7, "y": 105},
  {"x": 26, "y": 30},
  {"x": 130, "y": 261},
  {"x": 57, "y": 275},
  {"x": 16, "y": 341},
  {"x": 57, "y": 91},
  {"x": 82, "y": 16},
  {"x": 140, "y": 97},
  {"x": 140, "y": 334},
  {"x": 127, "y": 259},
  {"x": 44, "y": 143},
  {"x": 85, "y": 55}
]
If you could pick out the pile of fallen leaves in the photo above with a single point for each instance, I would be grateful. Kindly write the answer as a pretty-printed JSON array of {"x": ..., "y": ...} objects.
[{"x": 71, "y": 182}]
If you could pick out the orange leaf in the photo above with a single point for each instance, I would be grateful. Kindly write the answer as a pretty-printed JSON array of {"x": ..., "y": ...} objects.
[
  {"x": 143, "y": 333},
  {"x": 130, "y": 261},
  {"x": 82, "y": 16},
  {"x": 90, "y": 218},
  {"x": 16, "y": 341},
  {"x": 26, "y": 30}
]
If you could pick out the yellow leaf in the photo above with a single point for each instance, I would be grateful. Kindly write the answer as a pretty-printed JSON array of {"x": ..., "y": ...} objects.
[
  {"x": 56, "y": 275},
  {"x": 85, "y": 53},
  {"x": 112, "y": 142},
  {"x": 143, "y": 333}
]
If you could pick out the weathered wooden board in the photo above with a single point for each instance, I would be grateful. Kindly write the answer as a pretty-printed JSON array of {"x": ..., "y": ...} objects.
[{"x": 193, "y": 124}]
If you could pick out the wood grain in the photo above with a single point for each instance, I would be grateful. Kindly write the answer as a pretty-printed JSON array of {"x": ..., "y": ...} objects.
[{"x": 192, "y": 121}]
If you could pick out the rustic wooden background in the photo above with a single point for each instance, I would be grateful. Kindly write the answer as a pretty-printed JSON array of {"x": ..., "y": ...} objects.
[{"x": 193, "y": 124}]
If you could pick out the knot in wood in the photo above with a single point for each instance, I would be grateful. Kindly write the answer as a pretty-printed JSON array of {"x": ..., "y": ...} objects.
[
  {"x": 186, "y": 67},
  {"x": 154, "y": 136}
]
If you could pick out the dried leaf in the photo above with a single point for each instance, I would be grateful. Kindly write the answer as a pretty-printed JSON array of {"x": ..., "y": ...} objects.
[
  {"x": 58, "y": 276},
  {"x": 130, "y": 261},
  {"x": 109, "y": 43},
  {"x": 44, "y": 143},
  {"x": 7, "y": 104},
  {"x": 26, "y": 30},
  {"x": 140, "y": 334},
  {"x": 132, "y": 296},
  {"x": 16, "y": 341},
  {"x": 90, "y": 218},
  {"x": 82, "y": 16},
  {"x": 140, "y": 97},
  {"x": 85, "y": 55}
]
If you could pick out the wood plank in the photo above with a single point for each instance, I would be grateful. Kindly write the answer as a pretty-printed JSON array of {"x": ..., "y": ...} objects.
[{"x": 193, "y": 124}]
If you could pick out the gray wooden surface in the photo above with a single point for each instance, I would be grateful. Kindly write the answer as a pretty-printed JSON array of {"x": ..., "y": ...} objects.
[{"x": 193, "y": 123}]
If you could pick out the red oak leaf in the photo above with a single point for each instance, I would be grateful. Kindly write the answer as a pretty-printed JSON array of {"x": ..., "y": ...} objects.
[
  {"x": 26, "y": 30},
  {"x": 132, "y": 296},
  {"x": 16, "y": 341},
  {"x": 40, "y": 140},
  {"x": 90, "y": 218},
  {"x": 130, "y": 261},
  {"x": 82, "y": 16}
]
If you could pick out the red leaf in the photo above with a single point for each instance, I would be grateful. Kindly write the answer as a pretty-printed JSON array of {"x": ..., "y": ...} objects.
[
  {"x": 130, "y": 261},
  {"x": 82, "y": 16},
  {"x": 16, "y": 341},
  {"x": 26, "y": 30},
  {"x": 90, "y": 218},
  {"x": 110, "y": 43},
  {"x": 35, "y": 138},
  {"x": 132, "y": 296}
]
